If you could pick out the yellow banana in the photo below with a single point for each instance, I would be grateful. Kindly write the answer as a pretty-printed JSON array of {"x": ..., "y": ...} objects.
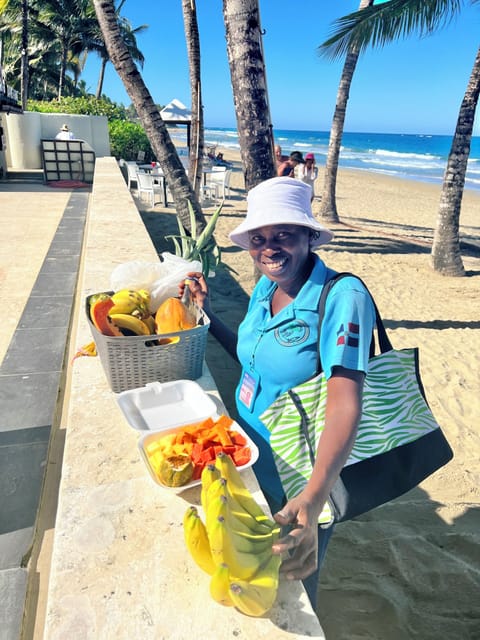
[
  {"x": 257, "y": 595},
  {"x": 127, "y": 305},
  {"x": 237, "y": 487},
  {"x": 131, "y": 323},
  {"x": 241, "y": 536},
  {"x": 150, "y": 322},
  {"x": 220, "y": 585},
  {"x": 127, "y": 294},
  {"x": 209, "y": 474},
  {"x": 262, "y": 524},
  {"x": 242, "y": 565},
  {"x": 145, "y": 295},
  {"x": 215, "y": 489},
  {"x": 196, "y": 540}
]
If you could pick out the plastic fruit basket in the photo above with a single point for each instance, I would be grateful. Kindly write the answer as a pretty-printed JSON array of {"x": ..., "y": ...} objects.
[{"x": 134, "y": 361}]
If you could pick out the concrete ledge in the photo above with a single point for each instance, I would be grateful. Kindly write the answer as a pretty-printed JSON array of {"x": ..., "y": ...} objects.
[{"x": 120, "y": 569}]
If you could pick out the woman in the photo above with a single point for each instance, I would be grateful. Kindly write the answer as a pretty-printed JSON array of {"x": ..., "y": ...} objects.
[
  {"x": 308, "y": 172},
  {"x": 277, "y": 348}
]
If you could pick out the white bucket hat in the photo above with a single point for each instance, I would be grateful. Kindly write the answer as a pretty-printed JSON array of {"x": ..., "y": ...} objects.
[{"x": 280, "y": 201}]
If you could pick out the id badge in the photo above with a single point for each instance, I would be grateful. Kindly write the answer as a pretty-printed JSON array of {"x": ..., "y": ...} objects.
[{"x": 248, "y": 389}]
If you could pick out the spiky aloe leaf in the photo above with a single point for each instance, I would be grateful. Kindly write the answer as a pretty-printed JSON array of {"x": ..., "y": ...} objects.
[
  {"x": 193, "y": 222},
  {"x": 207, "y": 233}
]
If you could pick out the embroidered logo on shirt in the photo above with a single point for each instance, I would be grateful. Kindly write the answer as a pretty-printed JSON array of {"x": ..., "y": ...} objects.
[
  {"x": 292, "y": 333},
  {"x": 348, "y": 335}
]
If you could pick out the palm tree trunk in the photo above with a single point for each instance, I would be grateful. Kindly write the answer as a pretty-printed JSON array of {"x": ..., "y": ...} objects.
[
  {"x": 446, "y": 256},
  {"x": 250, "y": 96},
  {"x": 328, "y": 209},
  {"x": 101, "y": 78},
  {"x": 24, "y": 64},
  {"x": 149, "y": 115},
  {"x": 63, "y": 69},
  {"x": 197, "y": 133}
]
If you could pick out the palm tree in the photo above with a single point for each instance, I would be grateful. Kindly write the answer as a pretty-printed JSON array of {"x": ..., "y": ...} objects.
[
  {"x": 380, "y": 24},
  {"x": 197, "y": 131},
  {"x": 250, "y": 95},
  {"x": 328, "y": 208},
  {"x": 129, "y": 34},
  {"x": 149, "y": 115},
  {"x": 446, "y": 256},
  {"x": 65, "y": 25}
]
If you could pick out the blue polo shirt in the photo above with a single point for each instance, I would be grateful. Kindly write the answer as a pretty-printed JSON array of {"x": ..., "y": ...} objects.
[{"x": 280, "y": 352}]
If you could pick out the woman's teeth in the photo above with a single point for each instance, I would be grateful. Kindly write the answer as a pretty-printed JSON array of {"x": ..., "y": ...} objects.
[{"x": 272, "y": 266}]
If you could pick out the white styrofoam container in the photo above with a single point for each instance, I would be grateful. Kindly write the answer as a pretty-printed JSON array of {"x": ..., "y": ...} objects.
[{"x": 164, "y": 405}]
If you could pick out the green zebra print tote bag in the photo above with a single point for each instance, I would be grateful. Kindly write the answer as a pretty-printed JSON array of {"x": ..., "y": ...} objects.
[{"x": 398, "y": 443}]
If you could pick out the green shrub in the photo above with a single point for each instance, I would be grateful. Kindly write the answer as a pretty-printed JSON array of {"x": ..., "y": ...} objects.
[
  {"x": 127, "y": 139},
  {"x": 89, "y": 106}
]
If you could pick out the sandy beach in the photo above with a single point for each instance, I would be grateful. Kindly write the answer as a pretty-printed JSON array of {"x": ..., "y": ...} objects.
[{"x": 411, "y": 569}]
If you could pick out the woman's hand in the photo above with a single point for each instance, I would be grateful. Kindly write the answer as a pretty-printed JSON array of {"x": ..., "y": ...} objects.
[
  {"x": 198, "y": 289},
  {"x": 300, "y": 545}
]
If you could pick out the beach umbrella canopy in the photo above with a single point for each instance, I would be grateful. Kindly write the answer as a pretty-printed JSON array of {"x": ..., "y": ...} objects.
[{"x": 177, "y": 113}]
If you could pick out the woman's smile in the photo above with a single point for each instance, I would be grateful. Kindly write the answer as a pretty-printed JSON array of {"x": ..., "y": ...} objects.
[{"x": 274, "y": 265}]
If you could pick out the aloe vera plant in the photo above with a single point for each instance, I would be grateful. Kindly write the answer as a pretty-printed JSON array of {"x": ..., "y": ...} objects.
[{"x": 202, "y": 248}]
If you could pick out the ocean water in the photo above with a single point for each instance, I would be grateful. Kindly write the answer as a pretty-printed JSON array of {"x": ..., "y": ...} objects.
[{"x": 408, "y": 156}]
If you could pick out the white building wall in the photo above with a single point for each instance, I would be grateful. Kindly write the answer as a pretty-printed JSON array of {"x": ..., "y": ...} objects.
[{"x": 25, "y": 131}]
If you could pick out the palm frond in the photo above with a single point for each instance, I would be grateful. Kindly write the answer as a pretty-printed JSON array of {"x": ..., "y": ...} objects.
[{"x": 379, "y": 24}]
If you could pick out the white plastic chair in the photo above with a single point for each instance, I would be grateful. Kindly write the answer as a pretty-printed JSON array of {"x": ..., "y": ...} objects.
[
  {"x": 147, "y": 186},
  {"x": 132, "y": 168},
  {"x": 218, "y": 183}
]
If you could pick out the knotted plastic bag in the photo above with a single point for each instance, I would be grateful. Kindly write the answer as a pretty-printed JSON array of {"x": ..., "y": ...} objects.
[{"x": 161, "y": 279}]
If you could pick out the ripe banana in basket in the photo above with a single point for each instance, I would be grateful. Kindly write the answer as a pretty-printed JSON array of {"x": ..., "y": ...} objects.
[
  {"x": 220, "y": 585},
  {"x": 131, "y": 323},
  {"x": 196, "y": 539},
  {"x": 237, "y": 487},
  {"x": 121, "y": 296},
  {"x": 257, "y": 595},
  {"x": 131, "y": 302},
  {"x": 241, "y": 564}
]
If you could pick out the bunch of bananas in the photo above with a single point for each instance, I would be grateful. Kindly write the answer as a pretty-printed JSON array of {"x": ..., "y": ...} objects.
[
  {"x": 125, "y": 312},
  {"x": 235, "y": 545},
  {"x": 130, "y": 312}
]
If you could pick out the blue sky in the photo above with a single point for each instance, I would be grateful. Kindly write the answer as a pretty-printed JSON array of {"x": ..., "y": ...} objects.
[{"x": 413, "y": 86}]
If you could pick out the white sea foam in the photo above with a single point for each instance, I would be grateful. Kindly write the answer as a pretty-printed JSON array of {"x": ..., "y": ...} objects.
[{"x": 401, "y": 154}]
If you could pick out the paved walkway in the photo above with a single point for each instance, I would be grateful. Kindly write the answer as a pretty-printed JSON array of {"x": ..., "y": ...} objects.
[{"x": 42, "y": 233}]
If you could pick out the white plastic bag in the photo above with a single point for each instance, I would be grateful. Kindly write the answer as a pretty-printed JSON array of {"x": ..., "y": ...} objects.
[
  {"x": 174, "y": 270},
  {"x": 136, "y": 275},
  {"x": 161, "y": 279}
]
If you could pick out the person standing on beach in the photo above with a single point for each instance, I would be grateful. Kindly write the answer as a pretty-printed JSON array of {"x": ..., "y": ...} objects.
[
  {"x": 308, "y": 172},
  {"x": 279, "y": 158},
  {"x": 287, "y": 168},
  {"x": 281, "y": 328}
]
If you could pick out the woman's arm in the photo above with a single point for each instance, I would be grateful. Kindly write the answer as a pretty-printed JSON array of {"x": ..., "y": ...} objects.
[{"x": 342, "y": 416}]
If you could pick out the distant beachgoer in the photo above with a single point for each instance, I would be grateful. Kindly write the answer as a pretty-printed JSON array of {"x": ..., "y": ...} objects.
[
  {"x": 65, "y": 133},
  {"x": 308, "y": 172},
  {"x": 279, "y": 158},
  {"x": 287, "y": 168}
]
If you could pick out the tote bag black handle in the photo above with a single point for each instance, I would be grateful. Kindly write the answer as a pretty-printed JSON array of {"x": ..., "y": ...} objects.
[{"x": 383, "y": 339}]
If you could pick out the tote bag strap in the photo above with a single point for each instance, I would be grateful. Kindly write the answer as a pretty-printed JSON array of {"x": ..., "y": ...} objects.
[{"x": 383, "y": 339}]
